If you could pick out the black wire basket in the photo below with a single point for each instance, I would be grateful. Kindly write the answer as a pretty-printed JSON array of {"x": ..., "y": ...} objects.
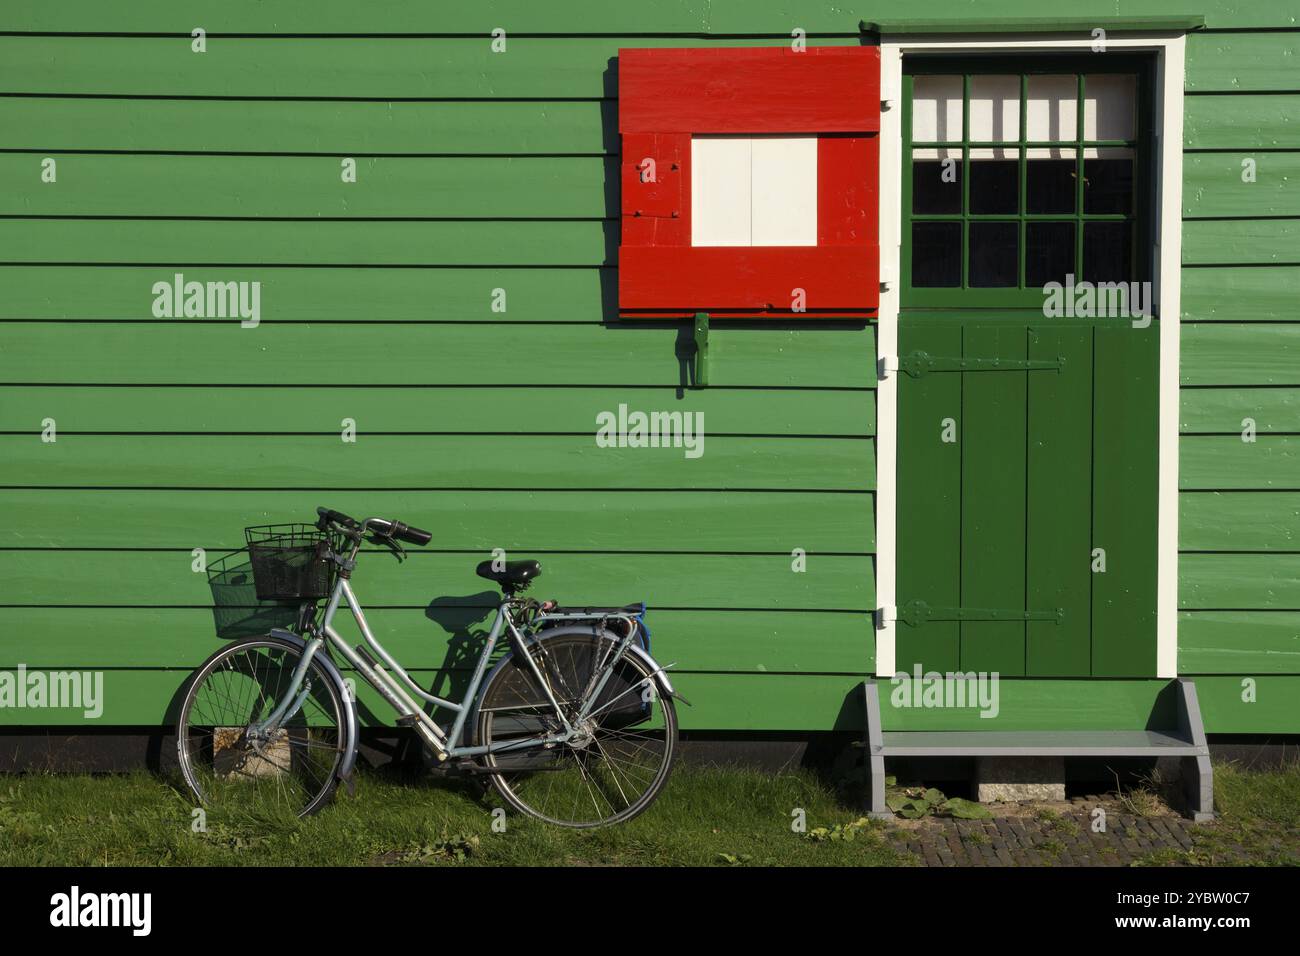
[
  {"x": 291, "y": 561},
  {"x": 236, "y": 610}
]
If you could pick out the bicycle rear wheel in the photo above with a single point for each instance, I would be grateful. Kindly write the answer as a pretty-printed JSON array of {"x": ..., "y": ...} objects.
[
  {"x": 621, "y": 761},
  {"x": 224, "y": 761}
]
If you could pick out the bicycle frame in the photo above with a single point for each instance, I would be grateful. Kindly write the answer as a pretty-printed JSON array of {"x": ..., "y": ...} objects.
[{"x": 391, "y": 681}]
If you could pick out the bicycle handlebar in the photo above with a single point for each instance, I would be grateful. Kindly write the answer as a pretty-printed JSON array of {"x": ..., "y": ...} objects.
[{"x": 391, "y": 529}]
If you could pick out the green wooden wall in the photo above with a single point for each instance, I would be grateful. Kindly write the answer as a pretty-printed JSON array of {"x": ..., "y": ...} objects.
[{"x": 479, "y": 171}]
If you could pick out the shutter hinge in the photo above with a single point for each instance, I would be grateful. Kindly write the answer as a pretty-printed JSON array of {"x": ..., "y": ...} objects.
[
  {"x": 916, "y": 613},
  {"x": 919, "y": 363},
  {"x": 885, "y": 365},
  {"x": 884, "y": 615}
]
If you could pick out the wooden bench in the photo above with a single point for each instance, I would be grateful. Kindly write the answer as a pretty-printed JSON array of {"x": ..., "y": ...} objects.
[{"x": 1187, "y": 742}]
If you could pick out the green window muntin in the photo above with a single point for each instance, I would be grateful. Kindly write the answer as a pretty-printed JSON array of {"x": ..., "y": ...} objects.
[{"x": 1025, "y": 210}]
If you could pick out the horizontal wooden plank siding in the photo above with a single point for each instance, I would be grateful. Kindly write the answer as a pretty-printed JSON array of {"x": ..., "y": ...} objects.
[
  {"x": 1245, "y": 121},
  {"x": 1224, "y": 410},
  {"x": 1241, "y": 62},
  {"x": 352, "y": 295},
  {"x": 332, "y": 128},
  {"x": 1240, "y": 409},
  {"x": 438, "y": 462},
  {"x": 1271, "y": 462},
  {"x": 1241, "y": 354},
  {"x": 307, "y": 187},
  {"x": 836, "y": 582},
  {"x": 223, "y": 353},
  {"x": 441, "y": 68},
  {"x": 458, "y": 303},
  {"x": 1239, "y": 521},
  {"x": 463, "y": 520},
  {"x": 144, "y": 697},
  {"x": 277, "y": 243},
  {"x": 428, "y": 410},
  {"x": 1268, "y": 581},
  {"x": 1239, "y": 642},
  {"x": 1240, "y": 293},
  {"x": 1241, "y": 242},
  {"x": 683, "y": 17},
  {"x": 755, "y": 642},
  {"x": 1220, "y": 184}
]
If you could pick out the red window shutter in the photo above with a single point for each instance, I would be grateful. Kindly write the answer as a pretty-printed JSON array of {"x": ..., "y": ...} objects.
[{"x": 668, "y": 96}]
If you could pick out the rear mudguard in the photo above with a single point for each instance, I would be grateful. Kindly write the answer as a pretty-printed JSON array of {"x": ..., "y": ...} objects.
[
  {"x": 349, "y": 704},
  {"x": 587, "y": 630}
]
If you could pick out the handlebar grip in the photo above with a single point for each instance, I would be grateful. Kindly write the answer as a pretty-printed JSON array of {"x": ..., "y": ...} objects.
[
  {"x": 327, "y": 515},
  {"x": 400, "y": 532},
  {"x": 410, "y": 535}
]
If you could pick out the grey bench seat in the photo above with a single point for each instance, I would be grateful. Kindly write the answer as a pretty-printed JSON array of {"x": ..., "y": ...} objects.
[
  {"x": 1038, "y": 743},
  {"x": 1187, "y": 742}
]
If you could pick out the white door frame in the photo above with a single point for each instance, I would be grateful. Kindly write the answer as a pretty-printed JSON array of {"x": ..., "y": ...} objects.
[{"x": 1168, "y": 143}]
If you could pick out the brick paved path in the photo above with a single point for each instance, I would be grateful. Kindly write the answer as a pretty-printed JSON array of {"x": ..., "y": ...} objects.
[{"x": 1056, "y": 834}]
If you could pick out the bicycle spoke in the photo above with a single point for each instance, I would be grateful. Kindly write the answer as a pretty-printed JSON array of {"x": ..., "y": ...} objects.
[
  {"x": 608, "y": 771},
  {"x": 222, "y": 759}
]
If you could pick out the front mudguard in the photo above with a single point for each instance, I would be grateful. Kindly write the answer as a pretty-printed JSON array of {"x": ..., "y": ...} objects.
[{"x": 350, "y": 732}]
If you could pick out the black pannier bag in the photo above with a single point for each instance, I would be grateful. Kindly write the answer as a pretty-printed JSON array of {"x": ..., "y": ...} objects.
[{"x": 623, "y": 702}]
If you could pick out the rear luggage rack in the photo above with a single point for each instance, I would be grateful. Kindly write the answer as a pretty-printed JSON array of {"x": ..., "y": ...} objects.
[{"x": 632, "y": 614}]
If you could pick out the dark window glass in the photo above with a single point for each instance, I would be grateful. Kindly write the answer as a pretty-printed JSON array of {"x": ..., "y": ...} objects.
[
  {"x": 1049, "y": 253},
  {"x": 1108, "y": 185},
  {"x": 936, "y": 254},
  {"x": 994, "y": 186},
  {"x": 936, "y": 186},
  {"x": 1107, "y": 250},
  {"x": 994, "y": 254},
  {"x": 1049, "y": 185}
]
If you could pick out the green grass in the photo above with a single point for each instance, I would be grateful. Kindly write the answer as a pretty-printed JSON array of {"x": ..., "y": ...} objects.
[
  {"x": 705, "y": 817},
  {"x": 1258, "y": 823},
  {"x": 1054, "y": 822},
  {"x": 1259, "y": 818}
]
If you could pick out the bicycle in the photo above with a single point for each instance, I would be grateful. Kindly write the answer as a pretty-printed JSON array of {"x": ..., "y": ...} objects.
[{"x": 574, "y": 724}]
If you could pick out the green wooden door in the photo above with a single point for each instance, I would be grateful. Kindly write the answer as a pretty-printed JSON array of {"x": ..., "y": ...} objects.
[{"x": 1027, "y": 417}]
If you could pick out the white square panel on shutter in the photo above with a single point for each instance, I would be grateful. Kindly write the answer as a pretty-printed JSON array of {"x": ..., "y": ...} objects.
[
  {"x": 783, "y": 172},
  {"x": 720, "y": 191},
  {"x": 754, "y": 191}
]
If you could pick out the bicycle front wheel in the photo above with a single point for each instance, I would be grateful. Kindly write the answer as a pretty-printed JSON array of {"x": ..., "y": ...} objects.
[
  {"x": 228, "y": 764},
  {"x": 620, "y": 760}
]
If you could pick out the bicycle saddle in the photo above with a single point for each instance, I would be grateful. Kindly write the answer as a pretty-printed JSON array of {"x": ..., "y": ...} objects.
[{"x": 513, "y": 575}]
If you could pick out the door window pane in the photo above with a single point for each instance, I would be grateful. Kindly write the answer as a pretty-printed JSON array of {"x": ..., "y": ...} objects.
[
  {"x": 1049, "y": 253},
  {"x": 994, "y": 109},
  {"x": 1107, "y": 249},
  {"x": 1052, "y": 108},
  {"x": 1041, "y": 186},
  {"x": 994, "y": 254},
  {"x": 936, "y": 254},
  {"x": 1109, "y": 106},
  {"x": 936, "y": 181},
  {"x": 994, "y": 181},
  {"x": 936, "y": 109},
  {"x": 1051, "y": 177},
  {"x": 1108, "y": 181}
]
